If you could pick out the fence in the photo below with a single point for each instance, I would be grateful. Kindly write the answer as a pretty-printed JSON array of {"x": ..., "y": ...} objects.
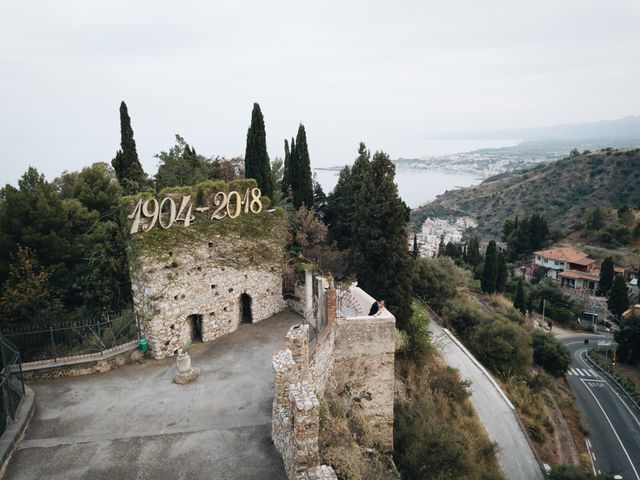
[
  {"x": 40, "y": 342},
  {"x": 11, "y": 383}
]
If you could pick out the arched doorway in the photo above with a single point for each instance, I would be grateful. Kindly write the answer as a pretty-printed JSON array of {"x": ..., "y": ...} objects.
[
  {"x": 193, "y": 328},
  {"x": 245, "y": 309}
]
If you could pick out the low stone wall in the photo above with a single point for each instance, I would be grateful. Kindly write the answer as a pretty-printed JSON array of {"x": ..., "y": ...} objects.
[
  {"x": 357, "y": 351},
  {"x": 78, "y": 365}
]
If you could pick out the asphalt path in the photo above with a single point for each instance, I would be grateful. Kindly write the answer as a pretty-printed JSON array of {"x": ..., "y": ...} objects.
[
  {"x": 515, "y": 456},
  {"x": 614, "y": 427}
]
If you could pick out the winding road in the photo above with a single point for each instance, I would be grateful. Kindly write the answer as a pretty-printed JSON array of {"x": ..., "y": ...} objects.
[
  {"x": 515, "y": 455},
  {"x": 614, "y": 427}
]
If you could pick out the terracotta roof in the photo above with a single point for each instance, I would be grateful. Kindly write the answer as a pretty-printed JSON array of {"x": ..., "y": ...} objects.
[
  {"x": 565, "y": 254},
  {"x": 619, "y": 269},
  {"x": 581, "y": 275},
  {"x": 583, "y": 261}
]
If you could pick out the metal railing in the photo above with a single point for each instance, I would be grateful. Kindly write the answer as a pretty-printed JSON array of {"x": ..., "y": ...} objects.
[
  {"x": 346, "y": 305},
  {"x": 11, "y": 383},
  {"x": 43, "y": 342}
]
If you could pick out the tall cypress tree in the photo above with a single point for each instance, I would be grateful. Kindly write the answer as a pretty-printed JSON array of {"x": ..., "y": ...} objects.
[
  {"x": 519, "y": 302},
  {"x": 380, "y": 254},
  {"x": 490, "y": 270},
  {"x": 301, "y": 181},
  {"x": 286, "y": 170},
  {"x": 126, "y": 163},
  {"x": 618, "y": 300},
  {"x": 256, "y": 158},
  {"x": 415, "y": 252},
  {"x": 606, "y": 276},
  {"x": 502, "y": 273}
]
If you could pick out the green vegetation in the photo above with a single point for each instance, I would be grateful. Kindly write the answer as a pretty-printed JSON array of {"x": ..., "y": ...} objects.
[
  {"x": 561, "y": 191},
  {"x": 67, "y": 244},
  {"x": 490, "y": 269},
  {"x": 126, "y": 164},
  {"x": 550, "y": 353},
  {"x": 571, "y": 472},
  {"x": 604, "y": 362},
  {"x": 606, "y": 276},
  {"x": 436, "y": 432},
  {"x": 525, "y": 236},
  {"x": 256, "y": 158},
  {"x": 181, "y": 166},
  {"x": 519, "y": 302},
  {"x": 628, "y": 339},
  {"x": 379, "y": 252},
  {"x": 618, "y": 299},
  {"x": 299, "y": 177}
]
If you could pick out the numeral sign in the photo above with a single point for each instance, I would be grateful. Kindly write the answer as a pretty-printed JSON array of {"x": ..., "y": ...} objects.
[{"x": 166, "y": 213}]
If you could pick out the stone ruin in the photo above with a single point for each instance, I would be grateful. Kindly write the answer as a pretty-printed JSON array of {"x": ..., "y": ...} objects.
[{"x": 361, "y": 345}]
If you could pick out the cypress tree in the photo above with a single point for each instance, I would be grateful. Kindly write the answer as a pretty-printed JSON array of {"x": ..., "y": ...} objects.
[
  {"x": 502, "y": 273},
  {"x": 606, "y": 276},
  {"x": 126, "y": 163},
  {"x": 293, "y": 168},
  {"x": 441, "y": 250},
  {"x": 342, "y": 200},
  {"x": 301, "y": 182},
  {"x": 380, "y": 253},
  {"x": 519, "y": 302},
  {"x": 256, "y": 158},
  {"x": 474, "y": 258},
  {"x": 490, "y": 270},
  {"x": 286, "y": 171},
  {"x": 415, "y": 252},
  {"x": 618, "y": 300}
]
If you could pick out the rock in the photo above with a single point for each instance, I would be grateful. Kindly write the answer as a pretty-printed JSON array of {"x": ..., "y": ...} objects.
[
  {"x": 136, "y": 356},
  {"x": 103, "y": 366}
]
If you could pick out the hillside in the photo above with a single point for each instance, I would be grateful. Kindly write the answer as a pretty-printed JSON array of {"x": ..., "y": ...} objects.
[{"x": 562, "y": 191}]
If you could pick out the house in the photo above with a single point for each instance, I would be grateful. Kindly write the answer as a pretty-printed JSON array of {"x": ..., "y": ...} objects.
[
  {"x": 559, "y": 259},
  {"x": 579, "y": 280}
]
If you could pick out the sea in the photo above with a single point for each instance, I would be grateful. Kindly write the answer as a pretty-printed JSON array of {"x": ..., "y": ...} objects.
[{"x": 419, "y": 186}]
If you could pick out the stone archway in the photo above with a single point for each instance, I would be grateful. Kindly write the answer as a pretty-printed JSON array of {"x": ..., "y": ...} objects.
[{"x": 246, "y": 315}]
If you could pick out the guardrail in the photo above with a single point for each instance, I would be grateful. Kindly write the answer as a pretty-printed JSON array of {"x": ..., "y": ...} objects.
[
  {"x": 613, "y": 379},
  {"x": 11, "y": 383}
]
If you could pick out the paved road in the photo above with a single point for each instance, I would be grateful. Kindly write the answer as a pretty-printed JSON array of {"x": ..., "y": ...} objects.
[
  {"x": 614, "y": 429},
  {"x": 135, "y": 423},
  {"x": 515, "y": 456}
]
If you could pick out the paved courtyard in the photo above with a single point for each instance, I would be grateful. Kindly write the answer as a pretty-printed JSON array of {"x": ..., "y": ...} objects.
[{"x": 135, "y": 423}]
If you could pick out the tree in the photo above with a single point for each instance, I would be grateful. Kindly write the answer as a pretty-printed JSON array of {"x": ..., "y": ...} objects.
[
  {"x": 502, "y": 273},
  {"x": 277, "y": 173},
  {"x": 490, "y": 270},
  {"x": 628, "y": 339},
  {"x": 550, "y": 353},
  {"x": 415, "y": 252},
  {"x": 256, "y": 158},
  {"x": 341, "y": 202},
  {"x": 380, "y": 254},
  {"x": 596, "y": 219},
  {"x": 618, "y": 300},
  {"x": 504, "y": 347},
  {"x": 519, "y": 301},
  {"x": 606, "y": 276},
  {"x": 97, "y": 189},
  {"x": 180, "y": 166},
  {"x": 539, "y": 231},
  {"x": 441, "y": 247},
  {"x": 300, "y": 172},
  {"x": 286, "y": 170},
  {"x": 451, "y": 250},
  {"x": 126, "y": 163},
  {"x": 436, "y": 280},
  {"x": 319, "y": 199},
  {"x": 474, "y": 257},
  {"x": 27, "y": 294}
]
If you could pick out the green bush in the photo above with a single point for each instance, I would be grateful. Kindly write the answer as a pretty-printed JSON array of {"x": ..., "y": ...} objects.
[
  {"x": 550, "y": 353},
  {"x": 571, "y": 472},
  {"x": 503, "y": 347}
]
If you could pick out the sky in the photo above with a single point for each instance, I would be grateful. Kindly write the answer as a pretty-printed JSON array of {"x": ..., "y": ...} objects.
[{"x": 392, "y": 74}]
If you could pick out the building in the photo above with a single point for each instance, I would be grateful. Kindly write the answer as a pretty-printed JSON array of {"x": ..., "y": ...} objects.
[
  {"x": 579, "y": 280},
  {"x": 559, "y": 259}
]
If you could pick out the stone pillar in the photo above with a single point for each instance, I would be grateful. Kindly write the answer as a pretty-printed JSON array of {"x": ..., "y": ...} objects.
[
  {"x": 308, "y": 295},
  {"x": 330, "y": 304},
  {"x": 298, "y": 342},
  {"x": 306, "y": 426}
]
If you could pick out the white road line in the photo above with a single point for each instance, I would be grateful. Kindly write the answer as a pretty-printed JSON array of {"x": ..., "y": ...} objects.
[
  {"x": 595, "y": 374},
  {"x": 593, "y": 467},
  {"x": 573, "y": 372},
  {"x": 614, "y": 430},
  {"x": 582, "y": 374},
  {"x": 625, "y": 404},
  {"x": 588, "y": 373}
]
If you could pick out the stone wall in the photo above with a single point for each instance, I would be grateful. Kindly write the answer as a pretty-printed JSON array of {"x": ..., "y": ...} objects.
[
  {"x": 202, "y": 284},
  {"x": 358, "y": 351}
]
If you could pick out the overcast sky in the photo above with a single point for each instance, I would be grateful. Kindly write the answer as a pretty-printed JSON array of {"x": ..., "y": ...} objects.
[{"x": 392, "y": 74}]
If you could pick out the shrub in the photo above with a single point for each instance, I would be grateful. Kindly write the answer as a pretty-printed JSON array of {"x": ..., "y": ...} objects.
[
  {"x": 550, "y": 353},
  {"x": 503, "y": 347}
]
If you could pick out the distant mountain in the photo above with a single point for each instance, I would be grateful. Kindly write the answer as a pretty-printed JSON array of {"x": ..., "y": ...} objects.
[
  {"x": 563, "y": 191},
  {"x": 628, "y": 127}
]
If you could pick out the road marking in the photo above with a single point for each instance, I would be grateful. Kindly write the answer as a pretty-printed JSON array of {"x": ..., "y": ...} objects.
[
  {"x": 614, "y": 430},
  {"x": 593, "y": 466}
]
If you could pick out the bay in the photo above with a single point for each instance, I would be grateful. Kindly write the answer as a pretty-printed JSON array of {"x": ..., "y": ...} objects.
[{"x": 415, "y": 185}]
